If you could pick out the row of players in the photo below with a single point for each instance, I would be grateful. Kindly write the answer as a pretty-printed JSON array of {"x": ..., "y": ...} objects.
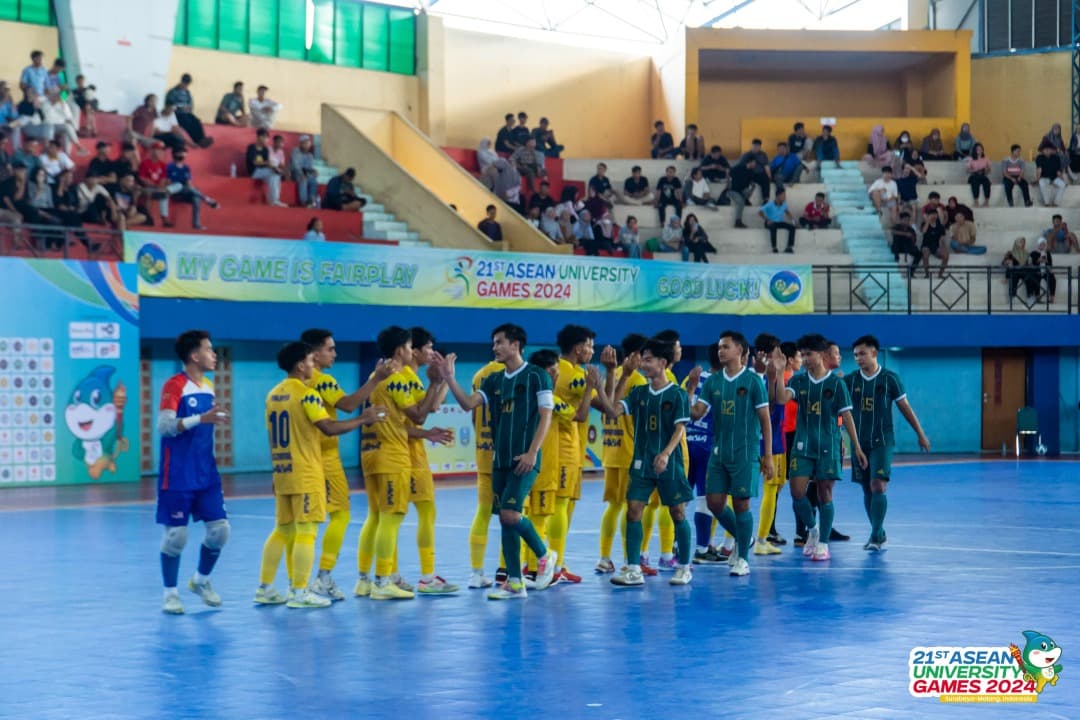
[{"x": 528, "y": 476}]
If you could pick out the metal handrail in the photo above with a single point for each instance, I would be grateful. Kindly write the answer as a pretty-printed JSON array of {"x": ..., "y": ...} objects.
[{"x": 102, "y": 243}]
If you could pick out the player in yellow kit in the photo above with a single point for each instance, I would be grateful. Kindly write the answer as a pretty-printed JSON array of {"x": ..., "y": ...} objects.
[
  {"x": 324, "y": 354},
  {"x": 422, "y": 485},
  {"x": 478, "y": 532},
  {"x": 296, "y": 421}
]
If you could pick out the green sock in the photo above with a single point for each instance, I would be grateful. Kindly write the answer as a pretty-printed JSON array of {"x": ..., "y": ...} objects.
[
  {"x": 744, "y": 529},
  {"x": 805, "y": 511},
  {"x": 879, "y": 504},
  {"x": 866, "y": 501},
  {"x": 527, "y": 532},
  {"x": 682, "y": 536},
  {"x": 511, "y": 547},
  {"x": 727, "y": 519},
  {"x": 633, "y": 537},
  {"x": 828, "y": 512}
]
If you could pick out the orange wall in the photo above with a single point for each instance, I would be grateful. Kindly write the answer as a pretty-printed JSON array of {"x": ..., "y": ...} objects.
[
  {"x": 18, "y": 40},
  {"x": 1016, "y": 100}
]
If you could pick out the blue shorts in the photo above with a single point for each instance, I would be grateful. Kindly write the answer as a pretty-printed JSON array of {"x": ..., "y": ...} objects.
[
  {"x": 175, "y": 506},
  {"x": 699, "y": 463}
]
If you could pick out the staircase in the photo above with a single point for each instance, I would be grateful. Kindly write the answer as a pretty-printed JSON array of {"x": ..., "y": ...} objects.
[{"x": 864, "y": 238}]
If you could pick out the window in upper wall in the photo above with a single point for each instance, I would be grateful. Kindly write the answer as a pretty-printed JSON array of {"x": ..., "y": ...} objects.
[
  {"x": 38, "y": 12},
  {"x": 1018, "y": 25},
  {"x": 349, "y": 33}
]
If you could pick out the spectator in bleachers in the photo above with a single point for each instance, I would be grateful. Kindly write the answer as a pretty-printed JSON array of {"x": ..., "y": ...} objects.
[
  {"x": 485, "y": 156},
  {"x": 786, "y": 168},
  {"x": 96, "y": 206},
  {"x": 303, "y": 173},
  {"x": 885, "y": 195},
  {"x": 39, "y": 195},
  {"x": 128, "y": 162},
  {"x": 180, "y": 98},
  {"x": 1059, "y": 235},
  {"x": 102, "y": 166},
  {"x": 231, "y": 109},
  {"x": 826, "y": 149},
  {"x": 671, "y": 238},
  {"x": 777, "y": 217},
  {"x": 595, "y": 204},
  {"x": 1012, "y": 174},
  {"x": 257, "y": 159},
  {"x": 167, "y": 129},
  {"x": 549, "y": 225},
  {"x": 933, "y": 148},
  {"x": 56, "y": 76},
  {"x": 542, "y": 200},
  {"x": 601, "y": 185},
  {"x": 698, "y": 192},
  {"x": 521, "y": 134},
  {"x": 933, "y": 236},
  {"x": 85, "y": 99},
  {"x": 533, "y": 217},
  {"x": 9, "y": 213},
  {"x": 696, "y": 243},
  {"x": 762, "y": 175},
  {"x": 569, "y": 203},
  {"x": 15, "y": 198},
  {"x": 740, "y": 188},
  {"x": 661, "y": 142},
  {"x": 628, "y": 240},
  {"x": 545, "y": 139},
  {"x": 604, "y": 233},
  {"x": 55, "y": 161},
  {"x": 1074, "y": 153},
  {"x": 584, "y": 234},
  {"x": 29, "y": 155},
  {"x": 798, "y": 142},
  {"x": 933, "y": 206},
  {"x": 978, "y": 167},
  {"x": 566, "y": 228},
  {"x": 1050, "y": 174},
  {"x": 140, "y": 124},
  {"x": 962, "y": 236},
  {"x": 65, "y": 199},
  {"x": 714, "y": 166},
  {"x": 669, "y": 193},
  {"x": 1054, "y": 139},
  {"x": 964, "y": 144},
  {"x": 315, "y": 231},
  {"x": 183, "y": 189},
  {"x": 954, "y": 208},
  {"x": 879, "y": 153},
  {"x": 504, "y": 139},
  {"x": 5, "y": 162},
  {"x": 905, "y": 240},
  {"x": 131, "y": 211},
  {"x": 1043, "y": 262},
  {"x": 57, "y": 113},
  {"x": 913, "y": 173},
  {"x": 277, "y": 156},
  {"x": 904, "y": 145},
  {"x": 692, "y": 146},
  {"x": 8, "y": 115},
  {"x": 35, "y": 76},
  {"x": 1018, "y": 269},
  {"x": 490, "y": 226},
  {"x": 340, "y": 193},
  {"x": 31, "y": 120},
  {"x": 816, "y": 214},
  {"x": 636, "y": 189},
  {"x": 529, "y": 162},
  {"x": 505, "y": 181},
  {"x": 264, "y": 111},
  {"x": 153, "y": 176}
]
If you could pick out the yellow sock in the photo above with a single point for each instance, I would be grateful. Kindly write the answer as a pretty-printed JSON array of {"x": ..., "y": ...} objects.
[
  {"x": 303, "y": 554},
  {"x": 648, "y": 519},
  {"x": 273, "y": 549},
  {"x": 667, "y": 531},
  {"x": 290, "y": 542},
  {"x": 478, "y": 536},
  {"x": 557, "y": 526},
  {"x": 334, "y": 538},
  {"x": 425, "y": 536},
  {"x": 528, "y": 557},
  {"x": 386, "y": 542},
  {"x": 730, "y": 504},
  {"x": 365, "y": 550},
  {"x": 608, "y": 523},
  {"x": 767, "y": 513}
]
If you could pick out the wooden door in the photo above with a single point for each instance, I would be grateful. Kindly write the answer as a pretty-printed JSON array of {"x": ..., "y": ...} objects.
[{"x": 1004, "y": 383}]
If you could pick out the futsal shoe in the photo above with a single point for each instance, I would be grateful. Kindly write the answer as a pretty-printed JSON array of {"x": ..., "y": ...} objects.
[
  {"x": 401, "y": 582},
  {"x": 709, "y": 557},
  {"x": 325, "y": 586},
  {"x": 500, "y": 576},
  {"x": 172, "y": 604},
  {"x": 362, "y": 587},
  {"x": 268, "y": 596},
  {"x": 545, "y": 569},
  {"x": 477, "y": 581},
  {"x": 390, "y": 590},
  {"x": 726, "y": 552},
  {"x": 741, "y": 568},
  {"x": 304, "y": 598},
  {"x": 436, "y": 586},
  {"x": 776, "y": 539},
  {"x": 683, "y": 575},
  {"x": 668, "y": 565},
  {"x": 605, "y": 566},
  {"x": 510, "y": 590},
  {"x": 837, "y": 536},
  {"x": 646, "y": 569},
  {"x": 204, "y": 591},
  {"x": 811, "y": 541},
  {"x": 821, "y": 552},
  {"x": 629, "y": 576},
  {"x": 764, "y": 547},
  {"x": 871, "y": 546},
  {"x": 568, "y": 577},
  {"x": 800, "y": 541}
]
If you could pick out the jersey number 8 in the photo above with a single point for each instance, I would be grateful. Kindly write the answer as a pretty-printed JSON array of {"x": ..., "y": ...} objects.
[
  {"x": 653, "y": 423},
  {"x": 279, "y": 429}
]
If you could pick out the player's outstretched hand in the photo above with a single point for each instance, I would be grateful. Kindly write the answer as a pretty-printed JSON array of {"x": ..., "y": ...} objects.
[
  {"x": 768, "y": 467},
  {"x": 660, "y": 463},
  {"x": 385, "y": 368},
  {"x": 525, "y": 463},
  {"x": 434, "y": 373},
  {"x": 924, "y": 442},
  {"x": 373, "y": 414},
  {"x": 609, "y": 358},
  {"x": 216, "y": 415},
  {"x": 694, "y": 375},
  {"x": 777, "y": 362},
  {"x": 861, "y": 457},
  {"x": 631, "y": 363},
  {"x": 442, "y": 436},
  {"x": 592, "y": 376}
]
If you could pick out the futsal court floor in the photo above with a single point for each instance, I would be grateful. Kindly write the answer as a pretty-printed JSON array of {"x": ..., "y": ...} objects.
[{"x": 979, "y": 551}]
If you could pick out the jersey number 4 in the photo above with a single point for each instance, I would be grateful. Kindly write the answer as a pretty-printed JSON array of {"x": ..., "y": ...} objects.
[{"x": 279, "y": 429}]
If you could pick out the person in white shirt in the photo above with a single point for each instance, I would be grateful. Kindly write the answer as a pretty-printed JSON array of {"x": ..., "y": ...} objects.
[
  {"x": 57, "y": 113},
  {"x": 263, "y": 110},
  {"x": 55, "y": 161},
  {"x": 700, "y": 192},
  {"x": 167, "y": 129},
  {"x": 885, "y": 195}
]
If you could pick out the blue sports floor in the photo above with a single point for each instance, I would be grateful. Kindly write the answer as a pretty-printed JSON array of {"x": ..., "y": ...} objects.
[{"x": 979, "y": 552}]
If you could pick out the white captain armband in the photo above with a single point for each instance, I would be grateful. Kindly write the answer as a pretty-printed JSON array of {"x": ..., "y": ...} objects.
[{"x": 546, "y": 399}]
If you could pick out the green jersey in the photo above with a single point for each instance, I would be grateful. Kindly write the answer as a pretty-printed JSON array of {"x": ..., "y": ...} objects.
[
  {"x": 514, "y": 400},
  {"x": 734, "y": 403},
  {"x": 873, "y": 398},
  {"x": 656, "y": 414},
  {"x": 820, "y": 402}
]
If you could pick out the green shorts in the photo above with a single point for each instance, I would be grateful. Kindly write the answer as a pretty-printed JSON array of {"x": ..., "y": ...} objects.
[
  {"x": 737, "y": 479},
  {"x": 879, "y": 467},
  {"x": 673, "y": 491},
  {"x": 509, "y": 490},
  {"x": 820, "y": 468}
]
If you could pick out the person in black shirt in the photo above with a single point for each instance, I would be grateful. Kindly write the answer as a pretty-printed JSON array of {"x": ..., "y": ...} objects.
[
  {"x": 903, "y": 238},
  {"x": 933, "y": 233},
  {"x": 257, "y": 160},
  {"x": 636, "y": 189},
  {"x": 340, "y": 194},
  {"x": 669, "y": 193},
  {"x": 601, "y": 185},
  {"x": 541, "y": 199},
  {"x": 520, "y": 134},
  {"x": 545, "y": 139},
  {"x": 504, "y": 141},
  {"x": 797, "y": 141},
  {"x": 715, "y": 166},
  {"x": 663, "y": 145},
  {"x": 761, "y": 174},
  {"x": 742, "y": 186},
  {"x": 490, "y": 226},
  {"x": 101, "y": 167},
  {"x": 1050, "y": 175},
  {"x": 692, "y": 146}
]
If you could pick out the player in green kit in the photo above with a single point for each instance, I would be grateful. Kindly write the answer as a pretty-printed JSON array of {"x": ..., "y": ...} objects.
[
  {"x": 739, "y": 403},
  {"x": 519, "y": 399},
  {"x": 873, "y": 391},
  {"x": 661, "y": 412},
  {"x": 821, "y": 397}
]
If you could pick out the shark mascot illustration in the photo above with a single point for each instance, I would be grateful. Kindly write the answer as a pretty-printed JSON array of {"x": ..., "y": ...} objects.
[
  {"x": 1039, "y": 658},
  {"x": 95, "y": 416}
]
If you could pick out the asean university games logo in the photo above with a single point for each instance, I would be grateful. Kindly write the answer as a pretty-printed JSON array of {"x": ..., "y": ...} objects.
[
  {"x": 785, "y": 287},
  {"x": 153, "y": 266},
  {"x": 459, "y": 275}
]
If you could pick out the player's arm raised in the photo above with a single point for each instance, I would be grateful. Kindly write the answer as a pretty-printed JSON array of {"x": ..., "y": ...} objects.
[
  {"x": 590, "y": 398},
  {"x": 778, "y": 392},
  {"x": 383, "y": 370},
  {"x": 445, "y": 365}
]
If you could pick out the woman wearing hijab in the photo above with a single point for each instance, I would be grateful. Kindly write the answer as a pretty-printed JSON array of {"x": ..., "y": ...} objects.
[
  {"x": 1074, "y": 153},
  {"x": 1043, "y": 262},
  {"x": 1018, "y": 270},
  {"x": 671, "y": 239},
  {"x": 932, "y": 146},
  {"x": 566, "y": 228},
  {"x": 954, "y": 208},
  {"x": 879, "y": 154},
  {"x": 1053, "y": 137},
  {"x": 965, "y": 143},
  {"x": 485, "y": 155},
  {"x": 505, "y": 182},
  {"x": 549, "y": 225}
]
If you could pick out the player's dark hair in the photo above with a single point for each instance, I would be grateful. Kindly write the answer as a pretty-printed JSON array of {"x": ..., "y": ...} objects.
[
  {"x": 421, "y": 337},
  {"x": 633, "y": 343},
  {"x": 812, "y": 342},
  {"x": 868, "y": 341},
  {"x": 291, "y": 354},
  {"x": 830, "y": 343},
  {"x": 714, "y": 356},
  {"x": 660, "y": 349},
  {"x": 668, "y": 336},
  {"x": 789, "y": 349},
  {"x": 315, "y": 337},
  {"x": 572, "y": 335},
  {"x": 738, "y": 338},
  {"x": 390, "y": 339},
  {"x": 189, "y": 342},
  {"x": 766, "y": 342},
  {"x": 512, "y": 333},
  {"x": 544, "y": 359}
]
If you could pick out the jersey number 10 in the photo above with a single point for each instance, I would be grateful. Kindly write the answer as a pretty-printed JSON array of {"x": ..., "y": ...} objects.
[{"x": 279, "y": 429}]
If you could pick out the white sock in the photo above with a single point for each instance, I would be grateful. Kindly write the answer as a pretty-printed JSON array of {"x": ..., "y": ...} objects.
[
  {"x": 200, "y": 578},
  {"x": 171, "y": 591},
  {"x": 729, "y": 542},
  {"x": 666, "y": 556},
  {"x": 701, "y": 549},
  {"x": 427, "y": 578}
]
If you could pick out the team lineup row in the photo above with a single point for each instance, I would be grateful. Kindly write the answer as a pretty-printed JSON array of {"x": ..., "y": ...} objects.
[{"x": 715, "y": 437}]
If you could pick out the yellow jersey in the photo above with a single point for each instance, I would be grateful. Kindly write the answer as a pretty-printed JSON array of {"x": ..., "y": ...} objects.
[
  {"x": 292, "y": 409},
  {"x": 417, "y": 449},
  {"x": 331, "y": 393},
  {"x": 384, "y": 446},
  {"x": 485, "y": 443},
  {"x": 571, "y": 388},
  {"x": 549, "y": 450},
  {"x": 619, "y": 433}
]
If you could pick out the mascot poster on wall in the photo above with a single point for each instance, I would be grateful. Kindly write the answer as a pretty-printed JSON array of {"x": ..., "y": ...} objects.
[{"x": 69, "y": 372}]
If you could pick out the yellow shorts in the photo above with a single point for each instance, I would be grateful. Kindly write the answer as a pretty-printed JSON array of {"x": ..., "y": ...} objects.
[
  {"x": 421, "y": 486},
  {"x": 780, "y": 476},
  {"x": 484, "y": 496},
  {"x": 616, "y": 483},
  {"x": 569, "y": 482},
  {"x": 337, "y": 486},
  {"x": 303, "y": 508},
  {"x": 392, "y": 491}
]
